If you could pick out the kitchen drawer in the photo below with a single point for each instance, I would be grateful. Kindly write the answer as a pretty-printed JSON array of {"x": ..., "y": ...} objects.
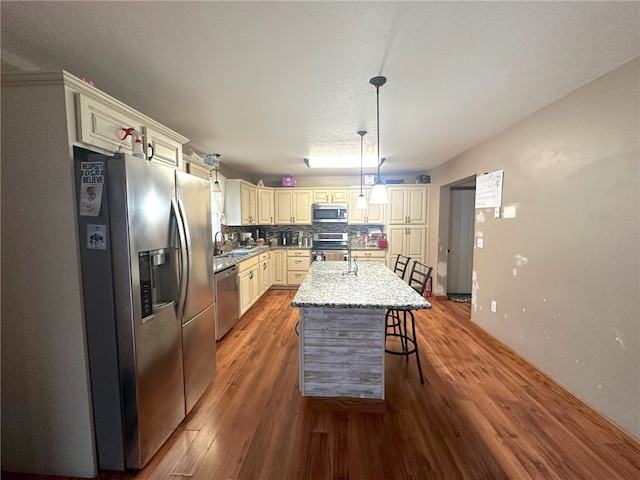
[
  {"x": 248, "y": 264},
  {"x": 298, "y": 253},
  {"x": 265, "y": 256},
  {"x": 370, "y": 255},
  {"x": 297, "y": 264},
  {"x": 295, "y": 278}
]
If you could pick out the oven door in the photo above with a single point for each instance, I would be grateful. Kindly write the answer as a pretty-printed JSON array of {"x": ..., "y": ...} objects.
[{"x": 335, "y": 255}]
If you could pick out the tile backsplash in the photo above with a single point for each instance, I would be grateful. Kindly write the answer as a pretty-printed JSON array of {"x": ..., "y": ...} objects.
[{"x": 356, "y": 232}]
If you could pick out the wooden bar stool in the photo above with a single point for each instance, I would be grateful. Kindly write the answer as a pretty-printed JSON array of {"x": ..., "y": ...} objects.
[{"x": 402, "y": 321}]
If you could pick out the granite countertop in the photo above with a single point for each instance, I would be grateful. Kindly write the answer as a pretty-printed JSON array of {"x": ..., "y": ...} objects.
[
  {"x": 375, "y": 286},
  {"x": 222, "y": 262}
]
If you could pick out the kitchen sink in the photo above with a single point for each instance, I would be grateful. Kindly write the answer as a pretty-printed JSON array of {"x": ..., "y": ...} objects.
[{"x": 238, "y": 252}]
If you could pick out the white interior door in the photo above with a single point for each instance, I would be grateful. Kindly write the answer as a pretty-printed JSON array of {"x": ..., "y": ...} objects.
[{"x": 461, "y": 230}]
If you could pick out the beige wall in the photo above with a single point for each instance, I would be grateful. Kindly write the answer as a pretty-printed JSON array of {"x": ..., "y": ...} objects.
[{"x": 565, "y": 271}]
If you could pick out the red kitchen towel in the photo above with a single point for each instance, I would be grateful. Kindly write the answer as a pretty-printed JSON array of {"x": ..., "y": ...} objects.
[{"x": 427, "y": 289}]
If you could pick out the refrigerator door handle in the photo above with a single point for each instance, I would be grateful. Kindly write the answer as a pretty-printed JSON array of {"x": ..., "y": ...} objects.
[
  {"x": 184, "y": 275},
  {"x": 187, "y": 248}
]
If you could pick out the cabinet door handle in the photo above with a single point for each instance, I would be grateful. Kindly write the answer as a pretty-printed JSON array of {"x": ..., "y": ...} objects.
[{"x": 250, "y": 275}]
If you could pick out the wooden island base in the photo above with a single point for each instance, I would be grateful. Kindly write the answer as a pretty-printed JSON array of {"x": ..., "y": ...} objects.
[
  {"x": 342, "y": 352},
  {"x": 343, "y": 404}
]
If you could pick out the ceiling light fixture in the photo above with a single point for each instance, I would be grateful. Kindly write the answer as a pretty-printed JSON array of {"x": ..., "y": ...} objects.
[
  {"x": 212, "y": 159},
  {"x": 361, "y": 202},
  {"x": 341, "y": 161},
  {"x": 378, "y": 192}
]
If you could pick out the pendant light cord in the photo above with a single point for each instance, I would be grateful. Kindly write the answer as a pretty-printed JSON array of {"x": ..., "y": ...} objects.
[
  {"x": 378, "y": 125},
  {"x": 362, "y": 133}
]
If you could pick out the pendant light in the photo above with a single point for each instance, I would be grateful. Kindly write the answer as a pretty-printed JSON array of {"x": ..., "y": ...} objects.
[
  {"x": 212, "y": 159},
  {"x": 361, "y": 202},
  {"x": 378, "y": 192}
]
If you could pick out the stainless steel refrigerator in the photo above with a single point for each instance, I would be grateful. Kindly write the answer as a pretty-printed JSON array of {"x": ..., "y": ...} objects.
[{"x": 146, "y": 250}]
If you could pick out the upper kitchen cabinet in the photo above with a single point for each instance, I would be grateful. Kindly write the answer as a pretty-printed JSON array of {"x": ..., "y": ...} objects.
[
  {"x": 374, "y": 214},
  {"x": 196, "y": 168},
  {"x": 266, "y": 206},
  {"x": 240, "y": 203},
  {"x": 162, "y": 148},
  {"x": 292, "y": 206},
  {"x": 408, "y": 205},
  {"x": 323, "y": 195},
  {"x": 102, "y": 122}
]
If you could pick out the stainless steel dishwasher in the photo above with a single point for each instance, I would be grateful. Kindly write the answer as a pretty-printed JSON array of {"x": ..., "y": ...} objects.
[{"x": 227, "y": 300}]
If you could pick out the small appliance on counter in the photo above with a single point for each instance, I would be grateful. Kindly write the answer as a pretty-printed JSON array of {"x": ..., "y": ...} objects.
[
  {"x": 286, "y": 238},
  {"x": 244, "y": 237},
  {"x": 259, "y": 232}
]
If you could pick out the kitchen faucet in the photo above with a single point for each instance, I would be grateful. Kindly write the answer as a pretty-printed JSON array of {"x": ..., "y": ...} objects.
[
  {"x": 355, "y": 264},
  {"x": 216, "y": 251}
]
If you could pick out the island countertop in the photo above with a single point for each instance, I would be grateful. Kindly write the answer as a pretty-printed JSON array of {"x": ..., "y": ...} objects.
[{"x": 375, "y": 286}]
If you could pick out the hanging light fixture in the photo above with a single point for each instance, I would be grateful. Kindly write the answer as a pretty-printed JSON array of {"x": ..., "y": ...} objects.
[
  {"x": 361, "y": 202},
  {"x": 212, "y": 159},
  {"x": 378, "y": 192}
]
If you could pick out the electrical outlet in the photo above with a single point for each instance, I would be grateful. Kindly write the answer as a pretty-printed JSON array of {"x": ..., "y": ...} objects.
[{"x": 494, "y": 306}]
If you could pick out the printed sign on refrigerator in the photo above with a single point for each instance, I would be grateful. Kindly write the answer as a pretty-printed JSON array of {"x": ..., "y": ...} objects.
[
  {"x": 91, "y": 188},
  {"x": 97, "y": 237}
]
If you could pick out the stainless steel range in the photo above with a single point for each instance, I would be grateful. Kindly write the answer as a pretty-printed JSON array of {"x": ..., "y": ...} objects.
[{"x": 330, "y": 246}]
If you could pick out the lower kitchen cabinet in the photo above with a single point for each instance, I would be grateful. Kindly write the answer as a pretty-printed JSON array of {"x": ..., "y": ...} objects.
[
  {"x": 248, "y": 282},
  {"x": 265, "y": 276},
  {"x": 279, "y": 267},
  {"x": 370, "y": 255},
  {"x": 297, "y": 266},
  {"x": 408, "y": 241}
]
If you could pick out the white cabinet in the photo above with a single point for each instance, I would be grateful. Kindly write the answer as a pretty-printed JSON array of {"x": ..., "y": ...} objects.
[
  {"x": 374, "y": 214},
  {"x": 162, "y": 149},
  {"x": 196, "y": 168},
  {"x": 103, "y": 125},
  {"x": 324, "y": 195},
  {"x": 279, "y": 267},
  {"x": 102, "y": 122},
  {"x": 370, "y": 255},
  {"x": 298, "y": 262},
  {"x": 266, "y": 206},
  {"x": 248, "y": 281},
  {"x": 264, "y": 268},
  {"x": 408, "y": 241},
  {"x": 292, "y": 206},
  {"x": 240, "y": 203},
  {"x": 408, "y": 205}
]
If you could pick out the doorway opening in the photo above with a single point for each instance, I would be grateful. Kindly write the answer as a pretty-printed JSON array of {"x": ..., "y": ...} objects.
[{"x": 461, "y": 239}]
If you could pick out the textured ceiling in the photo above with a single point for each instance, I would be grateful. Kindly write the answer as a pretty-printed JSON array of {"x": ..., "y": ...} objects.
[{"x": 267, "y": 84}]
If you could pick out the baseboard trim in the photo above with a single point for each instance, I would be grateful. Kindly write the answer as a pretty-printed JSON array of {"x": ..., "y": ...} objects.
[{"x": 558, "y": 388}]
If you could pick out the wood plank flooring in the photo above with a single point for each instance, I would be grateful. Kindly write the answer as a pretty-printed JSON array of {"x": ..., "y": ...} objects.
[{"x": 482, "y": 413}]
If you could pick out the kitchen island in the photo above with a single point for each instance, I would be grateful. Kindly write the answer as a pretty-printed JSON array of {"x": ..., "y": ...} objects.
[{"x": 342, "y": 327}]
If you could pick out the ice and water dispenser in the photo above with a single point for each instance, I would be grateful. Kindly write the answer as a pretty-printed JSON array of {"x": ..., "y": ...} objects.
[{"x": 157, "y": 279}]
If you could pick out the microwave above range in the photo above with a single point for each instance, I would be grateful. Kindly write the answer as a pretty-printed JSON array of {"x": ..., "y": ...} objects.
[{"x": 329, "y": 212}]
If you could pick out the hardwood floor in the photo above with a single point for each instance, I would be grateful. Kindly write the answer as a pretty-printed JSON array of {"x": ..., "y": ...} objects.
[{"x": 482, "y": 413}]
